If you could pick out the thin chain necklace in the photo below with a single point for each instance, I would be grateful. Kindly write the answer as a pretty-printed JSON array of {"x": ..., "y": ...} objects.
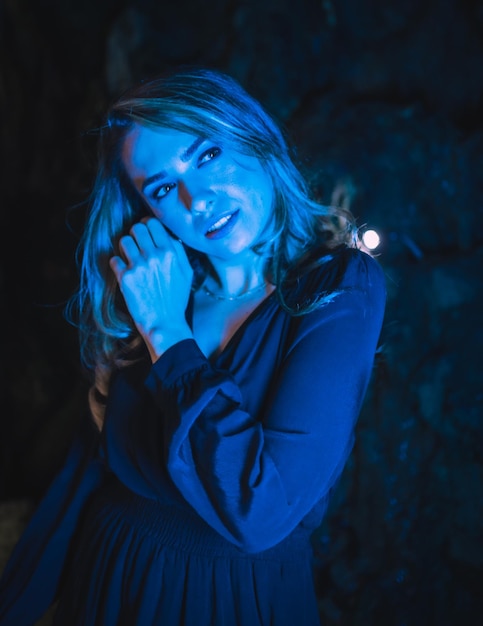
[{"x": 240, "y": 296}]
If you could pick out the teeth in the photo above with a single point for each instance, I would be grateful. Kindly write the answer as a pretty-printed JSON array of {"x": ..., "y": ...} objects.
[{"x": 221, "y": 222}]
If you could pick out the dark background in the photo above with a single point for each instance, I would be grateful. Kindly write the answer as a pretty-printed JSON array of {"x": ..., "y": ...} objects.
[{"x": 384, "y": 103}]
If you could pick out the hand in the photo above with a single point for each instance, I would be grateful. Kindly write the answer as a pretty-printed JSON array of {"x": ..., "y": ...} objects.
[{"x": 154, "y": 276}]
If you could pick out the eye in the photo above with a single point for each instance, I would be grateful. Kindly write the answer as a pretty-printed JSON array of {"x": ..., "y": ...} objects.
[
  {"x": 209, "y": 155},
  {"x": 162, "y": 191}
]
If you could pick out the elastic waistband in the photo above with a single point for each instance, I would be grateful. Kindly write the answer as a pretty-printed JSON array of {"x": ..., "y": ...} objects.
[{"x": 181, "y": 528}]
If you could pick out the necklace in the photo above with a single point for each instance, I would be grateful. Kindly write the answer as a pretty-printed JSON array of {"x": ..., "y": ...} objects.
[{"x": 240, "y": 296}]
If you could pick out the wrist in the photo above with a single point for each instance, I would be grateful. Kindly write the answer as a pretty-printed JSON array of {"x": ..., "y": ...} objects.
[{"x": 158, "y": 340}]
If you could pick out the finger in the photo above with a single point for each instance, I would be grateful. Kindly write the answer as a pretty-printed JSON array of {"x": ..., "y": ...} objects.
[
  {"x": 143, "y": 237},
  {"x": 118, "y": 266},
  {"x": 129, "y": 248},
  {"x": 182, "y": 256},
  {"x": 158, "y": 232}
]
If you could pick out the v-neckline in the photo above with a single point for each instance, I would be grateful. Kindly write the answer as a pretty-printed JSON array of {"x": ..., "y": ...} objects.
[{"x": 215, "y": 356}]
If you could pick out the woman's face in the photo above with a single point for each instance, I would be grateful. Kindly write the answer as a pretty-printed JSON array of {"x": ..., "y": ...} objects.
[{"x": 210, "y": 196}]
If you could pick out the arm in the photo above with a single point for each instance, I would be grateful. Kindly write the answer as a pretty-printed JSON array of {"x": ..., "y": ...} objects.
[{"x": 253, "y": 481}]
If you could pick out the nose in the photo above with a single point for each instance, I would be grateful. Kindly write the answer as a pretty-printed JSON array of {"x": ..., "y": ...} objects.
[
  {"x": 196, "y": 199},
  {"x": 202, "y": 202}
]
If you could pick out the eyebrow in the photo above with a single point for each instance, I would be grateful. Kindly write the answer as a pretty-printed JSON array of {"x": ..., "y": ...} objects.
[
  {"x": 188, "y": 153},
  {"x": 185, "y": 156}
]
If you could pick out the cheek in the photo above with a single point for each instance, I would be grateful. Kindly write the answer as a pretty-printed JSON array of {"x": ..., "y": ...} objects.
[
  {"x": 164, "y": 215},
  {"x": 264, "y": 199},
  {"x": 178, "y": 227},
  {"x": 157, "y": 213}
]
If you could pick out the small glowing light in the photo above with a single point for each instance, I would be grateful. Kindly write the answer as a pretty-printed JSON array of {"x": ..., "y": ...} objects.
[{"x": 371, "y": 239}]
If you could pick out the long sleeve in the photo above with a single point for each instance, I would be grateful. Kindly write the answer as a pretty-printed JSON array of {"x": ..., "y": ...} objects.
[{"x": 254, "y": 477}]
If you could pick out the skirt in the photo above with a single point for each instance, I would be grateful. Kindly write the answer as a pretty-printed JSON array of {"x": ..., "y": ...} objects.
[{"x": 140, "y": 562}]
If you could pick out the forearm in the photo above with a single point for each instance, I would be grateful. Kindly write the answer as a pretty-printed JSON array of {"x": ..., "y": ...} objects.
[{"x": 251, "y": 484}]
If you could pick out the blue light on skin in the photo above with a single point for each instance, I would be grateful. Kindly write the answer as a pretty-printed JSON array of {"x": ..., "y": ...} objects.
[{"x": 211, "y": 197}]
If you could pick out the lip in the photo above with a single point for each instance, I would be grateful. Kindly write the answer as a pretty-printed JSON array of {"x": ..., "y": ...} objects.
[{"x": 224, "y": 230}]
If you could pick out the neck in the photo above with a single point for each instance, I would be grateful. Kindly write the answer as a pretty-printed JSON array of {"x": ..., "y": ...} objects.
[{"x": 233, "y": 277}]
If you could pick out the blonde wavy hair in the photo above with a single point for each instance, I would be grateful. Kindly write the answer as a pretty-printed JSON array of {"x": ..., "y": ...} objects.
[{"x": 205, "y": 103}]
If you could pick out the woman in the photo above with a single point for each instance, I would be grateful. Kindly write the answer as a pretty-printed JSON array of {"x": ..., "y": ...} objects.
[{"x": 229, "y": 323}]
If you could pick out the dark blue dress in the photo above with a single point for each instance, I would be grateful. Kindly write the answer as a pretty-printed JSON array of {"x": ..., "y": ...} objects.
[{"x": 195, "y": 505}]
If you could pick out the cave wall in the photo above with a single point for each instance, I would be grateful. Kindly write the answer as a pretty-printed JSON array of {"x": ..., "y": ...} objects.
[{"x": 384, "y": 103}]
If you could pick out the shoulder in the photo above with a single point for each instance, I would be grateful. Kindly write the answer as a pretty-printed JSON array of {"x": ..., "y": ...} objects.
[
  {"x": 345, "y": 270},
  {"x": 339, "y": 308},
  {"x": 361, "y": 271}
]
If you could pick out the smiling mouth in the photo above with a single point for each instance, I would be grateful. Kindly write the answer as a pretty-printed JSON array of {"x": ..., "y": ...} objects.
[{"x": 222, "y": 226}]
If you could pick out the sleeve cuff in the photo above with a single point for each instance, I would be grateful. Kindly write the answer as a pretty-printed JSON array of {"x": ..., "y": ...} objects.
[{"x": 179, "y": 360}]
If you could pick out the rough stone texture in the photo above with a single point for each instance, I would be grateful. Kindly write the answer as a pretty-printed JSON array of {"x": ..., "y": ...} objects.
[{"x": 383, "y": 101}]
